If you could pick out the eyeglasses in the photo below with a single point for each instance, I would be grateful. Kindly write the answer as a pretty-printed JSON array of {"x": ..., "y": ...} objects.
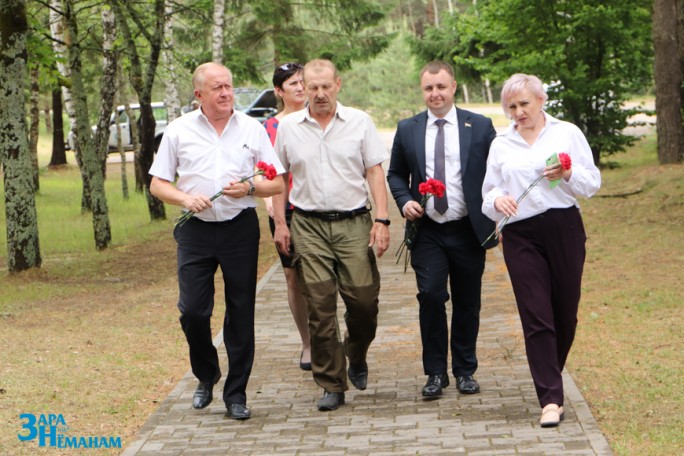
[{"x": 290, "y": 66}]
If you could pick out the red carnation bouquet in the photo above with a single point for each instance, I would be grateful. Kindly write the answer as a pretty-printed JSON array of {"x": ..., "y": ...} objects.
[
  {"x": 263, "y": 169},
  {"x": 429, "y": 188},
  {"x": 562, "y": 159}
]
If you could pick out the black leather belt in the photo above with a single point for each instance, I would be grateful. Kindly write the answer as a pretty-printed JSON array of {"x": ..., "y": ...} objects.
[{"x": 331, "y": 216}]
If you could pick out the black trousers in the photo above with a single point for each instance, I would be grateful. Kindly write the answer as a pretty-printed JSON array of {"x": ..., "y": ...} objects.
[
  {"x": 448, "y": 252},
  {"x": 545, "y": 258},
  {"x": 202, "y": 248}
]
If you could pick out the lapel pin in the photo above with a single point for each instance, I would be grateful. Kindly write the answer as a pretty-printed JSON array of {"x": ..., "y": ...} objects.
[{"x": 467, "y": 124}]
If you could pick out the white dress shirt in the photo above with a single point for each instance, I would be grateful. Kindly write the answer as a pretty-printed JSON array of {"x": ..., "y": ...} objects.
[
  {"x": 329, "y": 166},
  {"x": 513, "y": 165},
  {"x": 452, "y": 167},
  {"x": 206, "y": 162}
]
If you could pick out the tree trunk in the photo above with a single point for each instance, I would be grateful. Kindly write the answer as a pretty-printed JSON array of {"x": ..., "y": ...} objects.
[
  {"x": 91, "y": 162},
  {"x": 58, "y": 157},
  {"x": 142, "y": 83},
  {"x": 107, "y": 88},
  {"x": 217, "y": 31},
  {"x": 23, "y": 247},
  {"x": 668, "y": 80},
  {"x": 48, "y": 119},
  {"x": 60, "y": 40},
  {"x": 119, "y": 143},
  {"x": 171, "y": 97},
  {"x": 466, "y": 95},
  {"x": 34, "y": 114}
]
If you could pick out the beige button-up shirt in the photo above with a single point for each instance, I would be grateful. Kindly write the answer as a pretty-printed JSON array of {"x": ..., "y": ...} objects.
[{"x": 329, "y": 166}]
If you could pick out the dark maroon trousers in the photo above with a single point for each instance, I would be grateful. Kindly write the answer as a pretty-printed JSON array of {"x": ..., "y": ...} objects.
[{"x": 545, "y": 258}]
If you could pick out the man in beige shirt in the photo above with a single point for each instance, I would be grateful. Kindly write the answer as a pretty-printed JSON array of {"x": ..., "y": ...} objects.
[{"x": 332, "y": 151}]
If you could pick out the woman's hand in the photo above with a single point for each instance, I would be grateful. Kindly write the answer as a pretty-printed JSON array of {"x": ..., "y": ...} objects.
[
  {"x": 506, "y": 205},
  {"x": 555, "y": 172}
]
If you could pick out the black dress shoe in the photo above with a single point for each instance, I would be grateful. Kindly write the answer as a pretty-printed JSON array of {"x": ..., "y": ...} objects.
[
  {"x": 304, "y": 366},
  {"x": 238, "y": 412},
  {"x": 358, "y": 375},
  {"x": 330, "y": 401},
  {"x": 467, "y": 384},
  {"x": 204, "y": 393},
  {"x": 434, "y": 385}
]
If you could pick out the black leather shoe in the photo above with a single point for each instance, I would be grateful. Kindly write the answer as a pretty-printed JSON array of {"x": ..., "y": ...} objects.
[
  {"x": 434, "y": 385},
  {"x": 238, "y": 412},
  {"x": 204, "y": 393},
  {"x": 358, "y": 375},
  {"x": 330, "y": 401},
  {"x": 467, "y": 384}
]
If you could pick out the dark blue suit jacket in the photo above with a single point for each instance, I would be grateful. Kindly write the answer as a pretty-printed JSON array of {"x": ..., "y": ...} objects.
[{"x": 407, "y": 165}]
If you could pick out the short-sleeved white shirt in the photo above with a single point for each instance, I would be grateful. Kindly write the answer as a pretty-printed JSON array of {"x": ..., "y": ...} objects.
[
  {"x": 329, "y": 166},
  {"x": 513, "y": 165},
  {"x": 205, "y": 162}
]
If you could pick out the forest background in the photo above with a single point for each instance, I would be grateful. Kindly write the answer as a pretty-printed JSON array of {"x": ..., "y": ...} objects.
[{"x": 601, "y": 60}]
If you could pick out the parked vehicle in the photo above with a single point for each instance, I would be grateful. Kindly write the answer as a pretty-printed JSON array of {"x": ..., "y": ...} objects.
[
  {"x": 260, "y": 104},
  {"x": 121, "y": 118}
]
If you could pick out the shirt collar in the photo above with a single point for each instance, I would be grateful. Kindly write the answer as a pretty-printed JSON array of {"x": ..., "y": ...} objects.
[
  {"x": 341, "y": 112},
  {"x": 450, "y": 117}
]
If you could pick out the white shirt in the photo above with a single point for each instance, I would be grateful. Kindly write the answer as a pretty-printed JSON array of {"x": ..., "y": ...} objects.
[
  {"x": 329, "y": 166},
  {"x": 206, "y": 162},
  {"x": 513, "y": 165},
  {"x": 452, "y": 167}
]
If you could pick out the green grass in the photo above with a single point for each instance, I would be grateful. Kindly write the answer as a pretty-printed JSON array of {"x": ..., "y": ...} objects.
[
  {"x": 63, "y": 229},
  {"x": 630, "y": 340}
]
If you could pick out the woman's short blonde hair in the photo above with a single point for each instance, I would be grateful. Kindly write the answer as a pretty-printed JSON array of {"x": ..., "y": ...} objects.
[{"x": 519, "y": 82}]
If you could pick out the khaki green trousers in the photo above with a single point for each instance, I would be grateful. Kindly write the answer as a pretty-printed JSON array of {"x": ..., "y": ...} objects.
[{"x": 334, "y": 257}]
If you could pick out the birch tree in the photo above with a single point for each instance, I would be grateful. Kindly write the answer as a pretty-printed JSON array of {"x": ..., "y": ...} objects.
[
  {"x": 217, "y": 31},
  {"x": 142, "y": 80},
  {"x": 23, "y": 247},
  {"x": 171, "y": 97},
  {"x": 92, "y": 166}
]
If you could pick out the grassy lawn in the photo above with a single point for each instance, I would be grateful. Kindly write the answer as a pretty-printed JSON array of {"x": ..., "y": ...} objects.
[
  {"x": 627, "y": 359},
  {"x": 96, "y": 336}
]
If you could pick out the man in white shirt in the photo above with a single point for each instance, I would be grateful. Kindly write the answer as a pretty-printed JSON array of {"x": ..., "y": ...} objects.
[
  {"x": 204, "y": 152},
  {"x": 451, "y": 229},
  {"x": 332, "y": 151}
]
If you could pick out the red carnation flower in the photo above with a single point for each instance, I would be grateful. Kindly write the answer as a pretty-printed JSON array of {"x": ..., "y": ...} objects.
[
  {"x": 565, "y": 161},
  {"x": 268, "y": 171},
  {"x": 429, "y": 188}
]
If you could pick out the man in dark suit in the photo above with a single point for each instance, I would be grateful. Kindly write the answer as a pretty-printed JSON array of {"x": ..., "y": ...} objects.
[{"x": 451, "y": 145}]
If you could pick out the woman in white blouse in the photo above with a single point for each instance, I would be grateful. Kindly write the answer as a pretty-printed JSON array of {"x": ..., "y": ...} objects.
[{"x": 544, "y": 239}]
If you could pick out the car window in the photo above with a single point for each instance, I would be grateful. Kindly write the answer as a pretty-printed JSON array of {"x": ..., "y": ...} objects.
[
  {"x": 123, "y": 117},
  {"x": 160, "y": 113},
  {"x": 267, "y": 100},
  {"x": 244, "y": 98}
]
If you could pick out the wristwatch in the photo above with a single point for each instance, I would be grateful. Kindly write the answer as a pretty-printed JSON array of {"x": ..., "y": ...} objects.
[
  {"x": 385, "y": 222},
  {"x": 251, "y": 190}
]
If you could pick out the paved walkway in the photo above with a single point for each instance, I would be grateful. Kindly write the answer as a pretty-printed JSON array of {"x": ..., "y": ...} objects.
[{"x": 389, "y": 418}]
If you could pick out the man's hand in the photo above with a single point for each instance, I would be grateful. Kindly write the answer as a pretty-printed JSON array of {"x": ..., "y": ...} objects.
[
  {"x": 281, "y": 236},
  {"x": 196, "y": 203},
  {"x": 236, "y": 189},
  {"x": 413, "y": 210},
  {"x": 380, "y": 237}
]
